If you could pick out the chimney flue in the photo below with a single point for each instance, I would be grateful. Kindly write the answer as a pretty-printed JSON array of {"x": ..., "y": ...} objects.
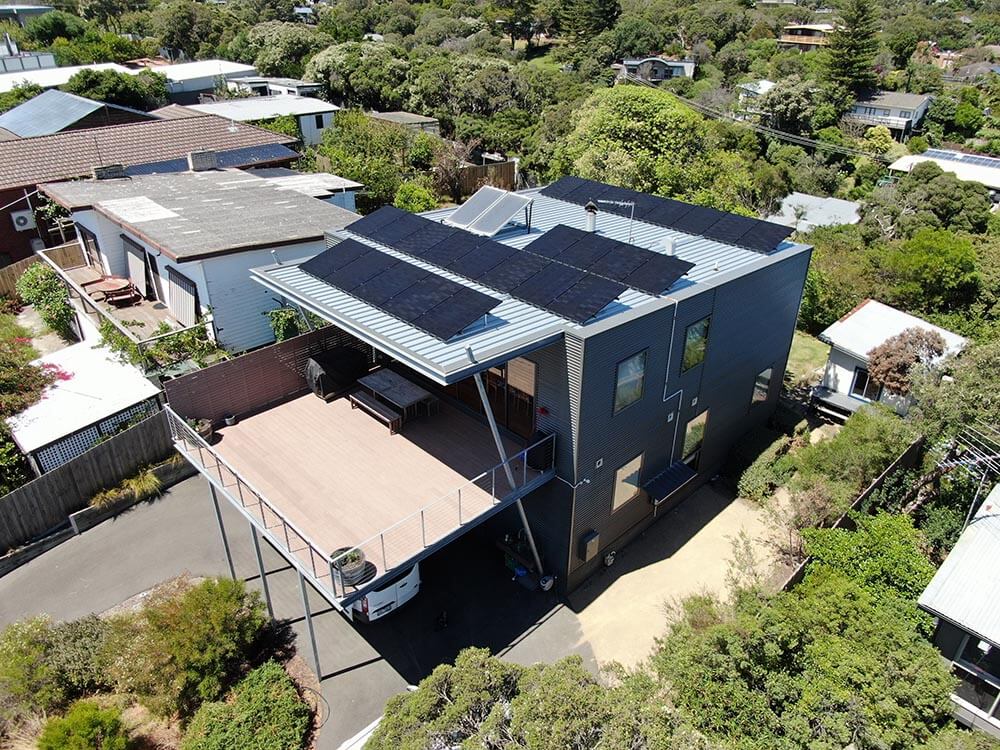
[
  {"x": 670, "y": 246},
  {"x": 591, "y": 209}
]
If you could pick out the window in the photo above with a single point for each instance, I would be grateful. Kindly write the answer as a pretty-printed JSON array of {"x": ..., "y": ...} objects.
[
  {"x": 761, "y": 387},
  {"x": 694, "y": 436},
  {"x": 695, "y": 341},
  {"x": 864, "y": 387},
  {"x": 905, "y": 113},
  {"x": 626, "y": 483},
  {"x": 319, "y": 122},
  {"x": 629, "y": 379}
]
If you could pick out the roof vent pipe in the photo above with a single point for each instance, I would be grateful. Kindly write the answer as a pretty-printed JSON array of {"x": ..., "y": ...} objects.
[
  {"x": 670, "y": 246},
  {"x": 591, "y": 209}
]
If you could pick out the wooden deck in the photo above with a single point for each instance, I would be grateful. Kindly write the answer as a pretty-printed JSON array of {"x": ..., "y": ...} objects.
[
  {"x": 143, "y": 319},
  {"x": 341, "y": 478}
]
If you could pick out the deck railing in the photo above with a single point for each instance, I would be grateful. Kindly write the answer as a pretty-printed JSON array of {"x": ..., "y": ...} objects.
[{"x": 393, "y": 546}]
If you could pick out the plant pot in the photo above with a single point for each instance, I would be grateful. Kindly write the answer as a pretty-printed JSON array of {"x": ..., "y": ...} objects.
[
  {"x": 352, "y": 568},
  {"x": 205, "y": 430},
  {"x": 231, "y": 420}
]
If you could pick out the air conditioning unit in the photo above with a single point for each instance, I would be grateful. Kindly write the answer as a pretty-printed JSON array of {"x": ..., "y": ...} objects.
[{"x": 23, "y": 220}]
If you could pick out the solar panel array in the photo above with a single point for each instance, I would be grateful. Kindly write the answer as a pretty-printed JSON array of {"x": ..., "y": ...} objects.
[
  {"x": 630, "y": 265},
  {"x": 487, "y": 211},
  {"x": 981, "y": 161},
  {"x": 570, "y": 292},
  {"x": 753, "y": 234},
  {"x": 435, "y": 305}
]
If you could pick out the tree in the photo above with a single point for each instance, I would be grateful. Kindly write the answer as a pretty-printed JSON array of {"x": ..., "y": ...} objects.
[
  {"x": 934, "y": 271},
  {"x": 414, "y": 197},
  {"x": 144, "y": 91},
  {"x": 279, "y": 48},
  {"x": 791, "y": 104},
  {"x": 185, "y": 26},
  {"x": 582, "y": 19},
  {"x": 970, "y": 395},
  {"x": 362, "y": 74},
  {"x": 516, "y": 17},
  {"x": 48, "y": 27},
  {"x": 18, "y": 95},
  {"x": 853, "y": 46},
  {"x": 891, "y": 363}
]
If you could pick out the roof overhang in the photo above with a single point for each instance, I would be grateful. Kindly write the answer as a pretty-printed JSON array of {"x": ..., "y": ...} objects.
[{"x": 479, "y": 351}]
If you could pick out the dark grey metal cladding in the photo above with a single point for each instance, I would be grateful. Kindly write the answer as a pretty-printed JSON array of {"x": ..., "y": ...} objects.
[{"x": 752, "y": 322}]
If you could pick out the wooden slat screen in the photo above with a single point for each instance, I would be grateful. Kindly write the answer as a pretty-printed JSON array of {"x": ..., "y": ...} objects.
[{"x": 183, "y": 297}]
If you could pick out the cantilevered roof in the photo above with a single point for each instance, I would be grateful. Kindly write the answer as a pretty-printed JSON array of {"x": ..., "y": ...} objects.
[
  {"x": 198, "y": 214},
  {"x": 53, "y": 111},
  {"x": 265, "y": 107},
  {"x": 966, "y": 589},
  {"x": 515, "y": 326},
  {"x": 872, "y": 322}
]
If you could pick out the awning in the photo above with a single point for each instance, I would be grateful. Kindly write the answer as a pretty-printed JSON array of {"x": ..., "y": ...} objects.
[{"x": 668, "y": 481}]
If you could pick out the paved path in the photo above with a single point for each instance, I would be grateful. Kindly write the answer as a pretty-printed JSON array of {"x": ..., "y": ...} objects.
[{"x": 362, "y": 666}]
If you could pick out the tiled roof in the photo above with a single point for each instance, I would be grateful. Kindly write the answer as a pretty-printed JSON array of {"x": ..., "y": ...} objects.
[
  {"x": 31, "y": 161},
  {"x": 174, "y": 112}
]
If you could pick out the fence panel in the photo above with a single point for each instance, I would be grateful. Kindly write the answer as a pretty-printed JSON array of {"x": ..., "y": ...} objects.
[
  {"x": 65, "y": 256},
  {"x": 45, "y": 503},
  {"x": 501, "y": 174}
]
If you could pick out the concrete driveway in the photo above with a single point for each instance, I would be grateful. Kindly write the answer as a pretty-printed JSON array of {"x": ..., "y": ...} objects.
[{"x": 618, "y": 614}]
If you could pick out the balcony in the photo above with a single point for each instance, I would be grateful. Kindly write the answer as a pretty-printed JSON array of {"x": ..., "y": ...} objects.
[
  {"x": 324, "y": 481},
  {"x": 820, "y": 40}
]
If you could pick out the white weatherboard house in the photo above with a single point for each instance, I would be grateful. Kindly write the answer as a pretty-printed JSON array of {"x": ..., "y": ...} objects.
[
  {"x": 964, "y": 596},
  {"x": 846, "y": 385},
  {"x": 188, "y": 240},
  {"x": 312, "y": 115}
]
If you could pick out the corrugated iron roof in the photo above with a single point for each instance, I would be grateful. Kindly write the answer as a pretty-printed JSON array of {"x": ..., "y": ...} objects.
[
  {"x": 966, "y": 588},
  {"x": 27, "y": 162},
  {"x": 872, "y": 322},
  {"x": 52, "y": 111}
]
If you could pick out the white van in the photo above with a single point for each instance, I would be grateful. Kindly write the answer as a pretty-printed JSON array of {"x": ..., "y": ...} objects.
[{"x": 390, "y": 596}]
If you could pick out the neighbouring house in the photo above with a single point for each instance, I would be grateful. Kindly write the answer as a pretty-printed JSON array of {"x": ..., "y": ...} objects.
[
  {"x": 977, "y": 71},
  {"x": 50, "y": 78},
  {"x": 187, "y": 81},
  {"x": 143, "y": 147},
  {"x": 803, "y": 212},
  {"x": 654, "y": 69},
  {"x": 21, "y": 14},
  {"x": 968, "y": 167},
  {"x": 543, "y": 362},
  {"x": 313, "y": 116},
  {"x": 846, "y": 385},
  {"x": 964, "y": 596},
  {"x": 902, "y": 113},
  {"x": 334, "y": 189},
  {"x": 93, "y": 397},
  {"x": 186, "y": 242},
  {"x": 748, "y": 96},
  {"x": 806, "y": 36},
  {"x": 13, "y": 59},
  {"x": 410, "y": 121},
  {"x": 55, "y": 111},
  {"x": 267, "y": 86}
]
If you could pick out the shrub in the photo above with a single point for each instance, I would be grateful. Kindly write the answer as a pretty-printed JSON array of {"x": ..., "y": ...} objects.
[
  {"x": 86, "y": 726},
  {"x": 286, "y": 322},
  {"x": 28, "y": 682},
  {"x": 199, "y": 642},
  {"x": 414, "y": 197},
  {"x": 41, "y": 287},
  {"x": 140, "y": 486},
  {"x": 264, "y": 712},
  {"x": 766, "y": 473},
  {"x": 77, "y": 654}
]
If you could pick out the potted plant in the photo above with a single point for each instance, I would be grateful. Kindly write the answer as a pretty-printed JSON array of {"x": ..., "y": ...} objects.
[
  {"x": 203, "y": 427},
  {"x": 350, "y": 563}
]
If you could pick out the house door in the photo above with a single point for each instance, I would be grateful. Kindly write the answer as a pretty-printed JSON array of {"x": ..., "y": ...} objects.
[{"x": 154, "y": 282}]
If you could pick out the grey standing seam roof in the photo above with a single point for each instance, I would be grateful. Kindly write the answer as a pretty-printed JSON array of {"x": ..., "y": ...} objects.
[{"x": 966, "y": 588}]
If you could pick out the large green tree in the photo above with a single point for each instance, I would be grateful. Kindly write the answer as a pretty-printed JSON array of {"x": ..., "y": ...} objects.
[
  {"x": 144, "y": 91},
  {"x": 853, "y": 46},
  {"x": 582, "y": 19},
  {"x": 363, "y": 74}
]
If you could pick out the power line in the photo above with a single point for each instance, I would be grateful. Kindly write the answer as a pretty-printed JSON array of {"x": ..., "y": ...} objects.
[{"x": 798, "y": 140}]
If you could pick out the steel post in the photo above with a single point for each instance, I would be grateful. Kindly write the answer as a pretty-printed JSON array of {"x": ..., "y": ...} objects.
[
  {"x": 222, "y": 530},
  {"x": 260, "y": 568},
  {"x": 309, "y": 623}
]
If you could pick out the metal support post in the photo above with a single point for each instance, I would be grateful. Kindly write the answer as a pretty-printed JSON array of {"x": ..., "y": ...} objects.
[
  {"x": 222, "y": 530},
  {"x": 309, "y": 623},
  {"x": 510, "y": 474},
  {"x": 260, "y": 567}
]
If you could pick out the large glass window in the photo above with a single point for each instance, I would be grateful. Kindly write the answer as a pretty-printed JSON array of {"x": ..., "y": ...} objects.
[
  {"x": 863, "y": 386},
  {"x": 629, "y": 380},
  {"x": 627, "y": 483},
  {"x": 761, "y": 386},
  {"x": 695, "y": 341},
  {"x": 694, "y": 436}
]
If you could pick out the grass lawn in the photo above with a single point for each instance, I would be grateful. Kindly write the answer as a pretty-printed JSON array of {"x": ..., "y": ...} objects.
[{"x": 808, "y": 354}]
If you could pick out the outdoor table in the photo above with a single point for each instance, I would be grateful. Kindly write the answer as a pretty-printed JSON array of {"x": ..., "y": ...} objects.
[
  {"x": 109, "y": 285},
  {"x": 397, "y": 390}
]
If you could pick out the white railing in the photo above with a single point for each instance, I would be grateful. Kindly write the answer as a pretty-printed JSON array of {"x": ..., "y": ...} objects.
[{"x": 391, "y": 547}]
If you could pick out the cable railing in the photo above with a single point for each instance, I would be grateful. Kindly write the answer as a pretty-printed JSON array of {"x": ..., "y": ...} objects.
[{"x": 341, "y": 572}]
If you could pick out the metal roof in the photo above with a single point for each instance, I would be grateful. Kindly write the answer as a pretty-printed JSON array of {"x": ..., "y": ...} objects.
[
  {"x": 966, "y": 588},
  {"x": 872, "y": 322},
  {"x": 190, "y": 71},
  {"x": 265, "y": 107},
  {"x": 967, "y": 167},
  {"x": 53, "y": 111},
  {"x": 517, "y": 327},
  {"x": 49, "y": 78},
  {"x": 817, "y": 212},
  {"x": 898, "y": 99},
  {"x": 197, "y": 214}
]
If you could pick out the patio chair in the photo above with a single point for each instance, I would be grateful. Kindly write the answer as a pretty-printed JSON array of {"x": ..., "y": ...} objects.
[{"x": 124, "y": 297}]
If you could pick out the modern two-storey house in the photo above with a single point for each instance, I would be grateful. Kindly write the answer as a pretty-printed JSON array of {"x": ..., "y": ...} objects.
[
  {"x": 902, "y": 113},
  {"x": 569, "y": 361}
]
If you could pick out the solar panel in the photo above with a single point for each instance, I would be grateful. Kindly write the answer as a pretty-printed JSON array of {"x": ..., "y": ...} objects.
[
  {"x": 765, "y": 236},
  {"x": 366, "y": 225},
  {"x": 619, "y": 263},
  {"x": 452, "y": 248},
  {"x": 658, "y": 274},
  {"x": 513, "y": 272},
  {"x": 420, "y": 297},
  {"x": 479, "y": 202},
  {"x": 382, "y": 287},
  {"x": 585, "y": 298},
  {"x": 334, "y": 258},
  {"x": 560, "y": 187},
  {"x": 394, "y": 231},
  {"x": 697, "y": 220},
  {"x": 547, "y": 284},
  {"x": 554, "y": 241},
  {"x": 357, "y": 272},
  {"x": 729, "y": 228},
  {"x": 483, "y": 258},
  {"x": 587, "y": 251},
  {"x": 499, "y": 214},
  {"x": 429, "y": 234},
  {"x": 454, "y": 315},
  {"x": 586, "y": 192}
]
